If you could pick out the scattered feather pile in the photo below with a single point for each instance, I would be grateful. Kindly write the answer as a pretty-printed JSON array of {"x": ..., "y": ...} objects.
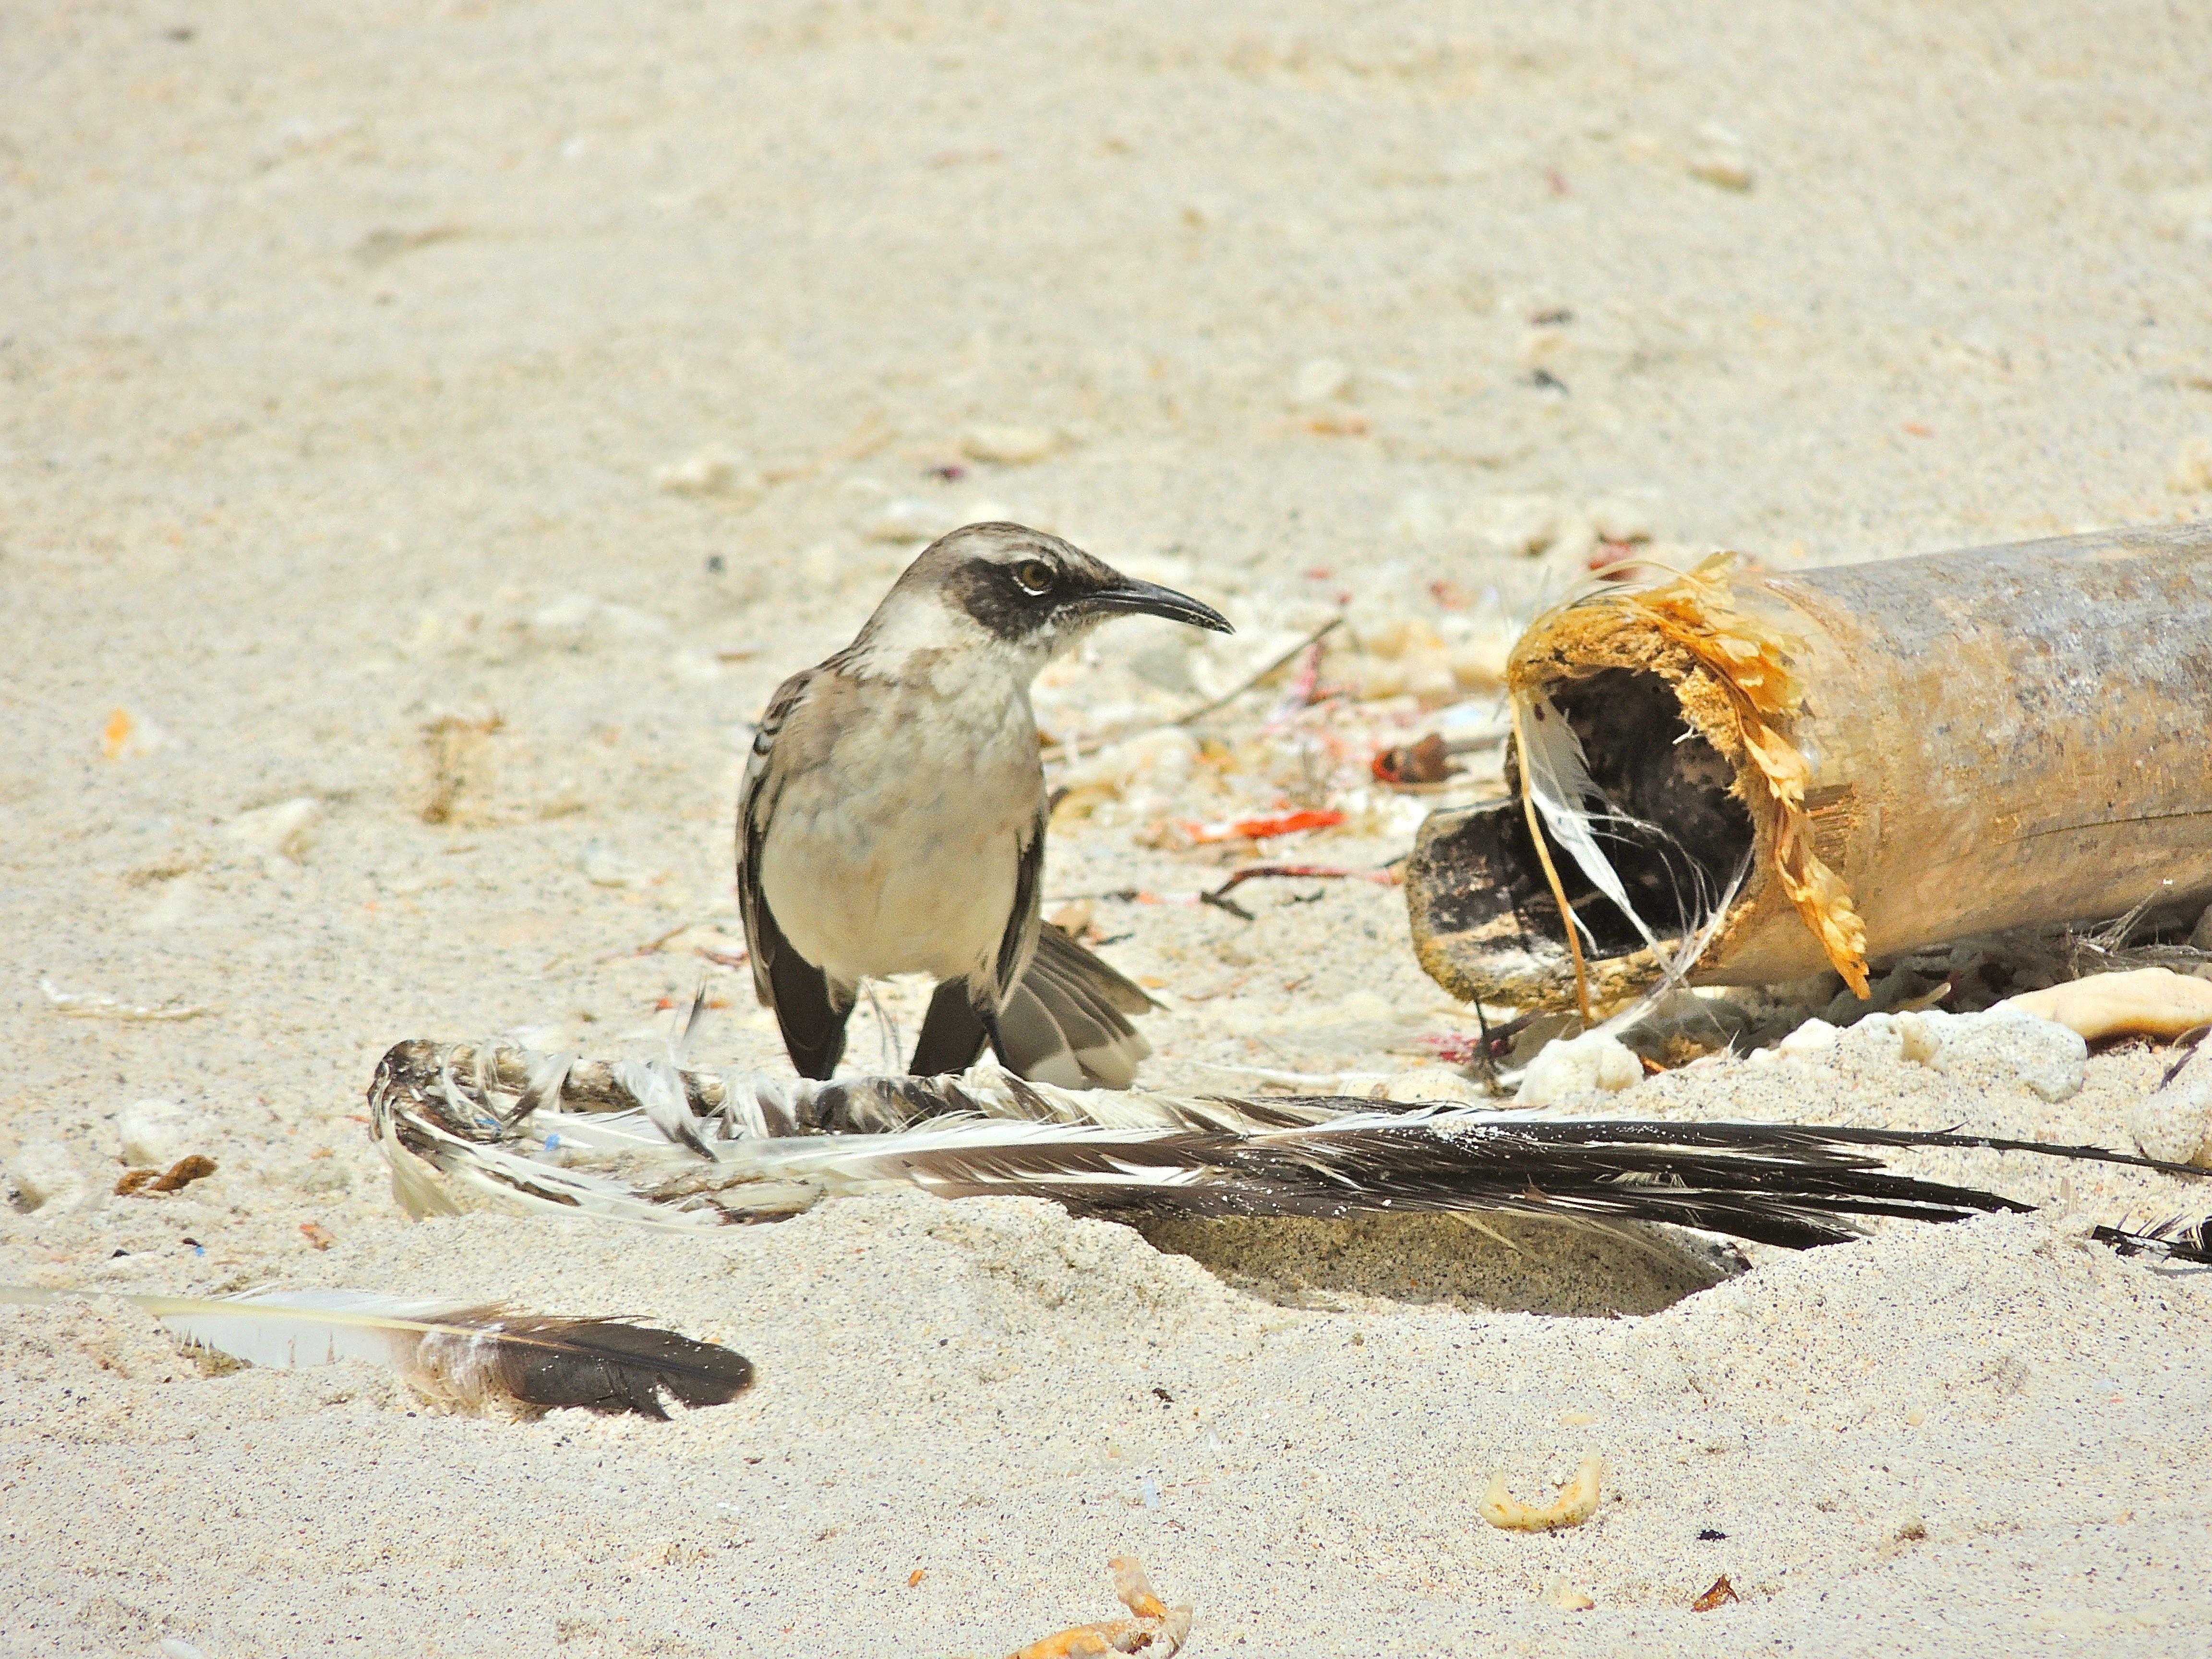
[
  {"x": 470, "y": 1356},
  {"x": 491, "y": 1127}
]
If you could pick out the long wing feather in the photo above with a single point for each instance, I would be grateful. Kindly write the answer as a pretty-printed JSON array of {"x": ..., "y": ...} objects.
[
  {"x": 989, "y": 1132},
  {"x": 471, "y": 1354}
]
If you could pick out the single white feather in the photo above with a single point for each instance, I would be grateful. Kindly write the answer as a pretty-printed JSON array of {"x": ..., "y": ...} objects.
[
  {"x": 283, "y": 1330},
  {"x": 658, "y": 1087},
  {"x": 1559, "y": 783}
]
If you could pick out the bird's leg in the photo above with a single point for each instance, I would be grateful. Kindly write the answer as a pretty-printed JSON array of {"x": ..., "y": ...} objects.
[
  {"x": 990, "y": 1017},
  {"x": 953, "y": 1033}
]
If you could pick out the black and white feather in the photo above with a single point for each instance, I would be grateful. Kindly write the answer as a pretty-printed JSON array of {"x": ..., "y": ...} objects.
[
  {"x": 470, "y": 1355},
  {"x": 759, "y": 1148},
  {"x": 2178, "y": 1240}
]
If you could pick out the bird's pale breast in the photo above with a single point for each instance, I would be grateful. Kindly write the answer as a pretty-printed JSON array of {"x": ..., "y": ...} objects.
[{"x": 896, "y": 841}]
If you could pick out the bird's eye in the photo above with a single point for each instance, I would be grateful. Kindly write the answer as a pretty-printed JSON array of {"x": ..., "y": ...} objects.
[{"x": 1035, "y": 577}]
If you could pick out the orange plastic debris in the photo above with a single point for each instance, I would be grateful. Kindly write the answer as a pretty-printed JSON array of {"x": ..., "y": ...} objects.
[
  {"x": 1158, "y": 1631},
  {"x": 1281, "y": 823}
]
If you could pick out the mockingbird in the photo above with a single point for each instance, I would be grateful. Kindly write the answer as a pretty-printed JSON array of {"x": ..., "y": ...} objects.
[{"x": 893, "y": 818}]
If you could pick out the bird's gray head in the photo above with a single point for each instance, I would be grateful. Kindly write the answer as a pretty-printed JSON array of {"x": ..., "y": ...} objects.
[{"x": 1020, "y": 589}]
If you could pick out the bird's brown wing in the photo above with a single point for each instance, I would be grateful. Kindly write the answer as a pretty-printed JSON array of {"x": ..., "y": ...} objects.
[
  {"x": 1020, "y": 938},
  {"x": 807, "y": 1009}
]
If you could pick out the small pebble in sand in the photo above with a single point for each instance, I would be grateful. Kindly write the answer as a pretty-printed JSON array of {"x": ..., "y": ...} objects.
[
  {"x": 1162, "y": 759},
  {"x": 2192, "y": 467},
  {"x": 710, "y": 473},
  {"x": 2184, "y": 215},
  {"x": 179, "y": 902},
  {"x": 602, "y": 866},
  {"x": 1617, "y": 518},
  {"x": 1918, "y": 1039},
  {"x": 128, "y": 736},
  {"x": 1810, "y": 1038},
  {"x": 1717, "y": 157},
  {"x": 1009, "y": 445},
  {"x": 908, "y": 519},
  {"x": 1559, "y": 1594},
  {"x": 45, "y": 1177},
  {"x": 2005, "y": 1044},
  {"x": 284, "y": 830},
  {"x": 577, "y": 620},
  {"x": 1418, "y": 516},
  {"x": 2174, "y": 1124},
  {"x": 1319, "y": 380},
  {"x": 1510, "y": 525},
  {"x": 1425, "y": 1082},
  {"x": 1407, "y": 657},
  {"x": 1593, "y": 1061},
  {"x": 157, "y": 1133}
]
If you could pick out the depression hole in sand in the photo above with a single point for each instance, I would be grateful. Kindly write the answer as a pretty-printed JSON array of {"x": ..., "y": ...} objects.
[{"x": 1506, "y": 1264}]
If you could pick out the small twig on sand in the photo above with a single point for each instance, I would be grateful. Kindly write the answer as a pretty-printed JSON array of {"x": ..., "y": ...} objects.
[
  {"x": 1386, "y": 876},
  {"x": 1228, "y": 697},
  {"x": 654, "y": 946}
]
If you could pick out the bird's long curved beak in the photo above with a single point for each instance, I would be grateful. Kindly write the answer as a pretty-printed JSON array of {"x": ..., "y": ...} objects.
[{"x": 1129, "y": 596}]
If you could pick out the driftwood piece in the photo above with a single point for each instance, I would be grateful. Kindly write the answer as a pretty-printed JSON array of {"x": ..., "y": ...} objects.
[{"x": 1894, "y": 755}]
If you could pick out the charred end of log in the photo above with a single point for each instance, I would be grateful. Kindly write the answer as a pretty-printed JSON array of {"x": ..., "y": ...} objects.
[{"x": 1485, "y": 924}]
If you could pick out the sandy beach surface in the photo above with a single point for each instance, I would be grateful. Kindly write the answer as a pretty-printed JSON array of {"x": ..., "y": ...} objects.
[{"x": 429, "y": 433}]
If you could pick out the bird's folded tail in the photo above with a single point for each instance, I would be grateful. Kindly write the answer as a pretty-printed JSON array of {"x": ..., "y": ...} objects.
[{"x": 1066, "y": 1022}]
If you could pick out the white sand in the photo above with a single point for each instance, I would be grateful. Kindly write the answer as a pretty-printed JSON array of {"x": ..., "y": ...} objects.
[{"x": 339, "y": 351}]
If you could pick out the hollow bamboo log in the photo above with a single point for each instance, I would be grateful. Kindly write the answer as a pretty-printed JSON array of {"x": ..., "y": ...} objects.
[{"x": 1896, "y": 756}]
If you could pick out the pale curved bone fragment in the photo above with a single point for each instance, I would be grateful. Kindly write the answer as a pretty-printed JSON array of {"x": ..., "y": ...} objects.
[
  {"x": 2147, "y": 1002},
  {"x": 1575, "y": 1504}
]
